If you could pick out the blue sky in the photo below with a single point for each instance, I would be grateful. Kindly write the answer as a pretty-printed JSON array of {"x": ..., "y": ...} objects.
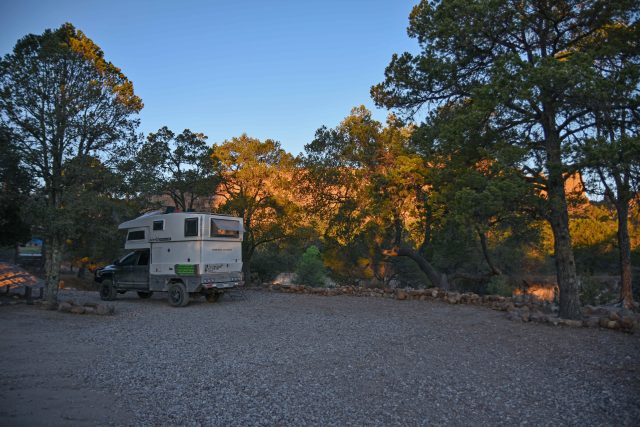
[{"x": 272, "y": 69}]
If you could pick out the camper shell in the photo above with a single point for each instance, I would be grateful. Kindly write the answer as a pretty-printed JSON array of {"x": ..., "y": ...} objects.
[{"x": 192, "y": 252}]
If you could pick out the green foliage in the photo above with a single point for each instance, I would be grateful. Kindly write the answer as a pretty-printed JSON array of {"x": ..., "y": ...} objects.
[
  {"x": 15, "y": 185},
  {"x": 499, "y": 285},
  {"x": 179, "y": 166},
  {"x": 256, "y": 183},
  {"x": 64, "y": 105},
  {"x": 310, "y": 270},
  {"x": 496, "y": 59},
  {"x": 272, "y": 259},
  {"x": 594, "y": 291}
]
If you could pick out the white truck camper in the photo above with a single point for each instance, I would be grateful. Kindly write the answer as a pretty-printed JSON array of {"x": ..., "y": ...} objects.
[{"x": 184, "y": 254}]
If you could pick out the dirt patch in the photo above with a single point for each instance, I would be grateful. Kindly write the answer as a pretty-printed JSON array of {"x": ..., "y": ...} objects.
[
  {"x": 40, "y": 385},
  {"x": 295, "y": 359}
]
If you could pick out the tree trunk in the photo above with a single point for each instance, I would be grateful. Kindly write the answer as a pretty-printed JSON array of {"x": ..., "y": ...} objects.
[
  {"x": 434, "y": 277},
  {"x": 624, "y": 248},
  {"x": 568, "y": 281},
  {"x": 53, "y": 258},
  {"x": 246, "y": 271},
  {"x": 485, "y": 252}
]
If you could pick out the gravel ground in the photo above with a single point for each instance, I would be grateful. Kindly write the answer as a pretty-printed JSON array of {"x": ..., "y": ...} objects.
[{"x": 282, "y": 359}]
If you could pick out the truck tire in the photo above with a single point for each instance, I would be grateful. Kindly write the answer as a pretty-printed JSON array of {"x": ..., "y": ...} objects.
[
  {"x": 213, "y": 296},
  {"x": 145, "y": 294},
  {"x": 178, "y": 295},
  {"x": 108, "y": 292}
]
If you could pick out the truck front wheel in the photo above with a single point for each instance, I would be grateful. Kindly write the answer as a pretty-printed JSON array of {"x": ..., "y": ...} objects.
[
  {"x": 178, "y": 295},
  {"x": 108, "y": 292},
  {"x": 213, "y": 296}
]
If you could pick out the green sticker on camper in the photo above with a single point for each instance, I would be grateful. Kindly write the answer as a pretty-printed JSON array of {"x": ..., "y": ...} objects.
[{"x": 186, "y": 269}]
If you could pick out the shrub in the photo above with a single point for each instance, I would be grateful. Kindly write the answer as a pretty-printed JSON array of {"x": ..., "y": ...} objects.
[
  {"x": 267, "y": 263},
  {"x": 310, "y": 270},
  {"x": 499, "y": 285}
]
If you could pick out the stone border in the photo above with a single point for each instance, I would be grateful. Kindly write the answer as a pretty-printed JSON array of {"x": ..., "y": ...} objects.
[{"x": 522, "y": 308}]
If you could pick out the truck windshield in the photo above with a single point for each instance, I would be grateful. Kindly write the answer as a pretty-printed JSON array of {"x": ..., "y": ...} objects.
[{"x": 224, "y": 228}]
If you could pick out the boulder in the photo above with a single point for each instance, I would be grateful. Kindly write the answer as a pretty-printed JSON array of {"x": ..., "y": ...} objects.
[
  {"x": 591, "y": 322},
  {"x": 612, "y": 324},
  {"x": 614, "y": 315},
  {"x": 76, "y": 309},
  {"x": 603, "y": 322},
  {"x": 627, "y": 323},
  {"x": 571, "y": 322},
  {"x": 514, "y": 316},
  {"x": 401, "y": 294},
  {"x": 102, "y": 309},
  {"x": 64, "y": 307},
  {"x": 453, "y": 297},
  {"x": 89, "y": 310},
  {"x": 538, "y": 317}
]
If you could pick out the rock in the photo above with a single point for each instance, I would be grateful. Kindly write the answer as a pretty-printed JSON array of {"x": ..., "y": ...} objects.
[
  {"x": 102, "y": 309},
  {"x": 614, "y": 315},
  {"x": 571, "y": 322},
  {"x": 514, "y": 316},
  {"x": 612, "y": 324},
  {"x": 591, "y": 322},
  {"x": 64, "y": 307},
  {"x": 400, "y": 294},
  {"x": 553, "y": 320},
  {"x": 76, "y": 309},
  {"x": 627, "y": 323},
  {"x": 603, "y": 322},
  {"x": 504, "y": 306},
  {"x": 525, "y": 316},
  {"x": 598, "y": 311},
  {"x": 537, "y": 317},
  {"x": 89, "y": 310},
  {"x": 453, "y": 297}
]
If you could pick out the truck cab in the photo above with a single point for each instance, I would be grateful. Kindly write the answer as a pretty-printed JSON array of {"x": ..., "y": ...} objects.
[{"x": 184, "y": 254}]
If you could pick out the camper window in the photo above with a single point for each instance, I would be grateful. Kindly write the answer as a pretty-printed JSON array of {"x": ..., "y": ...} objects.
[
  {"x": 190, "y": 227},
  {"x": 136, "y": 235},
  {"x": 158, "y": 225},
  {"x": 224, "y": 228}
]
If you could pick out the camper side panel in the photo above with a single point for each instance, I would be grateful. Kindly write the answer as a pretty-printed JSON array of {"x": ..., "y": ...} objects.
[
  {"x": 219, "y": 256},
  {"x": 164, "y": 256}
]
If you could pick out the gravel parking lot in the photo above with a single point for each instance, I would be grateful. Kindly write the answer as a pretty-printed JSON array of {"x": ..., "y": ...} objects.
[{"x": 282, "y": 359}]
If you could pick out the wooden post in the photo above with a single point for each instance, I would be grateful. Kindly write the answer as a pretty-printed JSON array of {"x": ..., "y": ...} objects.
[{"x": 27, "y": 295}]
